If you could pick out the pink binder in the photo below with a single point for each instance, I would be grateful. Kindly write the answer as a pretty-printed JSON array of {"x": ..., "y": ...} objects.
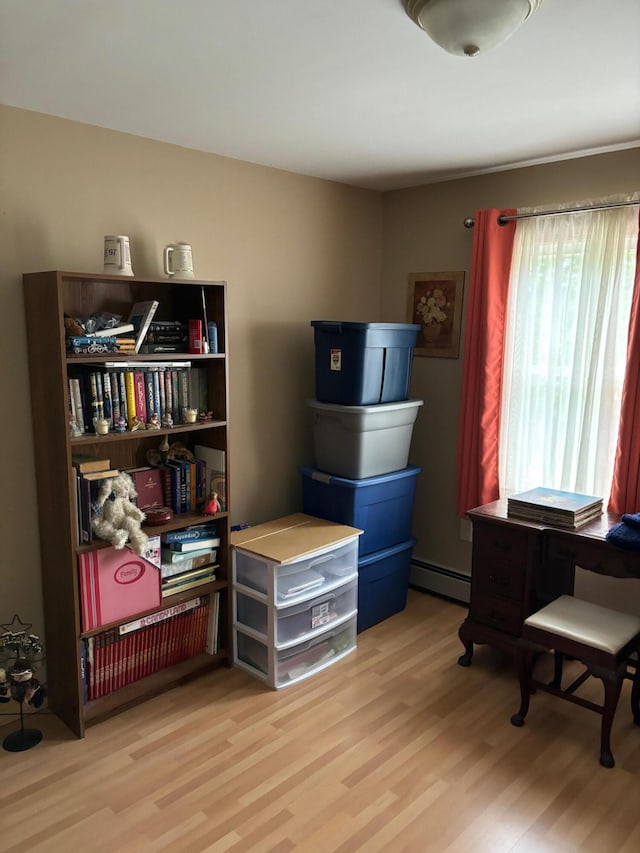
[{"x": 116, "y": 584}]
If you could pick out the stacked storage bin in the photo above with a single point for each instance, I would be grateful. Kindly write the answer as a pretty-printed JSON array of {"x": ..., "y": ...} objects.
[{"x": 362, "y": 427}]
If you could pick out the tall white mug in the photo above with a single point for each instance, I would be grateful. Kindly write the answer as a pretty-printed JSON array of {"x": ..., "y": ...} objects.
[
  {"x": 178, "y": 260},
  {"x": 117, "y": 255}
]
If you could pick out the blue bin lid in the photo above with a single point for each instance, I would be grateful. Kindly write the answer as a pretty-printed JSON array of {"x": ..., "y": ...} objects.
[
  {"x": 338, "y": 326},
  {"x": 384, "y": 553},
  {"x": 331, "y": 479}
]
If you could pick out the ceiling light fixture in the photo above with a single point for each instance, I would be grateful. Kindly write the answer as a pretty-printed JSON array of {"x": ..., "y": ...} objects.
[{"x": 470, "y": 27}]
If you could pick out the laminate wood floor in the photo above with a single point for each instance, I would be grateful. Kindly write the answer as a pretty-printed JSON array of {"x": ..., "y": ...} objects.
[{"x": 396, "y": 748}]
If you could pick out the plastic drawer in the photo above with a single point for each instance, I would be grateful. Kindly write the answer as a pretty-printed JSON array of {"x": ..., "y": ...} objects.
[
  {"x": 299, "y": 621},
  {"x": 298, "y": 580},
  {"x": 286, "y": 666}
]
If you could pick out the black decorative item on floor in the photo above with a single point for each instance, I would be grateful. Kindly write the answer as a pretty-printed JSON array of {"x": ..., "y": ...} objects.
[{"x": 20, "y": 653}]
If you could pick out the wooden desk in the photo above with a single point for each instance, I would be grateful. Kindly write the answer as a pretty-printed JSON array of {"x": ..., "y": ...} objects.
[{"x": 519, "y": 566}]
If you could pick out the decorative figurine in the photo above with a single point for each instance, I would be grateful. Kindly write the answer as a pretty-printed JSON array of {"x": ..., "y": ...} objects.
[
  {"x": 137, "y": 424},
  {"x": 74, "y": 429},
  {"x": 212, "y": 506},
  {"x": 167, "y": 420},
  {"x": 153, "y": 422},
  {"x": 121, "y": 424}
]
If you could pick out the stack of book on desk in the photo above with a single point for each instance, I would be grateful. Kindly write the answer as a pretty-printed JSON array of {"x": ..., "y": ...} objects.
[{"x": 552, "y": 506}]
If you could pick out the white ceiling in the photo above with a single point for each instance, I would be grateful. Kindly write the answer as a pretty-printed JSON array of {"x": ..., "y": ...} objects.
[{"x": 348, "y": 90}]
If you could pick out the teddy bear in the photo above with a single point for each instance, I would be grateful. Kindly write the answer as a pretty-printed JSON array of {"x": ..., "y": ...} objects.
[
  {"x": 20, "y": 682},
  {"x": 116, "y": 517}
]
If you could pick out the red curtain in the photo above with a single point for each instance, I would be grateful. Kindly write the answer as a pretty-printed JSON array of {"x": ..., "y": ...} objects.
[
  {"x": 479, "y": 424},
  {"x": 625, "y": 489}
]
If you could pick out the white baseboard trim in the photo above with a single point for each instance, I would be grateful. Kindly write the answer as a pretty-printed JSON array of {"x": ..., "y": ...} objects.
[{"x": 442, "y": 581}]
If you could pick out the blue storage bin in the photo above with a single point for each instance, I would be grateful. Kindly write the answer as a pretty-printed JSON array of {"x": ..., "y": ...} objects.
[
  {"x": 362, "y": 364},
  {"x": 381, "y": 506},
  {"x": 383, "y": 582}
]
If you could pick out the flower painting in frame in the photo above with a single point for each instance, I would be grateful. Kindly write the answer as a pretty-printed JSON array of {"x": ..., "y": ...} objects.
[{"x": 435, "y": 304}]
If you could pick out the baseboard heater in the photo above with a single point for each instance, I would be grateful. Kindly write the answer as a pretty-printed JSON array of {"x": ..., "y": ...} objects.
[{"x": 442, "y": 581}]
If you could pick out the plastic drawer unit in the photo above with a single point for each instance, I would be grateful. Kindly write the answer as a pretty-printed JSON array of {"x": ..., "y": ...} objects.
[
  {"x": 295, "y": 583},
  {"x": 282, "y": 667},
  {"x": 297, "y": 621}
]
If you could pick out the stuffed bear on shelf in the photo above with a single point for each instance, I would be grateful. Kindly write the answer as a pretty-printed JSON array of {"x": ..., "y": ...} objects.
[{"x": 116, "y": 517}]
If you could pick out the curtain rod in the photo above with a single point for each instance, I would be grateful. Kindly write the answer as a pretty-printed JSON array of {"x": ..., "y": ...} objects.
[{"x": 469, "y": 222}]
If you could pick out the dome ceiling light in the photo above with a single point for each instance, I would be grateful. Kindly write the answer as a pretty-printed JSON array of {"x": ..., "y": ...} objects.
[{"x": 470, "y": 27}]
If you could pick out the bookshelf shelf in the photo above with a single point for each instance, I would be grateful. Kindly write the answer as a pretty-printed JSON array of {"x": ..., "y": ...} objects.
[
  {"x": 152, "y": 685},
  {"x": 98, "y": 440},
  {"x": 48, "y": 297}
]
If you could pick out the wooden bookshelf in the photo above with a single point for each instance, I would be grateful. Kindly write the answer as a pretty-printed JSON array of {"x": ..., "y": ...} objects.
[{"x": 48, "y": 296}]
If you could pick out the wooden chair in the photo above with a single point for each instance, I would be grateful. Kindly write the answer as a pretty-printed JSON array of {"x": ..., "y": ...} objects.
[{"x": 603, "y": 640}]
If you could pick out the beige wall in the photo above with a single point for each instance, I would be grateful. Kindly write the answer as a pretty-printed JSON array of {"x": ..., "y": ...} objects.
[
  {"x": 422, "y": 231},
  {"x": 292, "y": 249}
]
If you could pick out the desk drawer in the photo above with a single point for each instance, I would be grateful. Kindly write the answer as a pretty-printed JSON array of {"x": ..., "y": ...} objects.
[
  {"x": 593, "y": 555},
  {"x": 494, "y": 544},
  {"x": 498, "y": 613},
  {"x": 507, "y": 581}
]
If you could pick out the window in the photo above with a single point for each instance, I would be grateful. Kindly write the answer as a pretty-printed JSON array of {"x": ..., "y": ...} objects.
[{"x": 569, "y": 301}]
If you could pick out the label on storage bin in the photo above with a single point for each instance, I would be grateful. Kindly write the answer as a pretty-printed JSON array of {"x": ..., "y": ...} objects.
[
  {"x": 320, "y": 614},
  {"x": 336, "y": 359}
]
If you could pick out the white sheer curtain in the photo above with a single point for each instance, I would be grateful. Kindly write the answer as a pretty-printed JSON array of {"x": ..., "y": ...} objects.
[{"x": 568, "y": 316}]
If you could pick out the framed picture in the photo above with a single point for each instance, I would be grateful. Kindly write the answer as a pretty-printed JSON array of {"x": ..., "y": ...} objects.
[{"x": 435, "y": 303}]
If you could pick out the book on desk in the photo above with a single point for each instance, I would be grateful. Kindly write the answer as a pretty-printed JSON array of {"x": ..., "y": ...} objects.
[{"x": 554, "y": 506}]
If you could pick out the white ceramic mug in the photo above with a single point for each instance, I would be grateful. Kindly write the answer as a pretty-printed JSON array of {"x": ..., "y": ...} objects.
[
  {"x": 117, "y": 255},
  {"x": 178, "y": 260}
]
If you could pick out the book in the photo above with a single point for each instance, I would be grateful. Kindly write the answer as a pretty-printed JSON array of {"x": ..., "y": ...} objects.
[
  {"x": 185, "y": 547},
  {"x": 169, "y": 556},
  {"x": 140, "y": 316},
  {"x": 85, "y": 464},
  {"x": 190, "y": 534},
  {"x": 554, "y": 506},
  {"x": 148, "y": 483},
  {"x": 215, "y": 480},
  {"x": 212, "y": 641},
  {"x": 141, "y": 396},
  {"x": 177, "y": 579},
  {"x": 116, "y": 330},
  {"x": 169, "y": 568},
  {"x": 75, "y": 392},
  {"x": 130, "y": 398},
  {"x": 173, "y": 589}
]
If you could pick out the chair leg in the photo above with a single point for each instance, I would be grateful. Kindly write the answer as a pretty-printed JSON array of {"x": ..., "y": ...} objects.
[
  {"x": 558, "y": 661},
  {"x": 524, "y": 664},
  {"x": 635, "y": 691},
  {"x": 612, "y": 688}
]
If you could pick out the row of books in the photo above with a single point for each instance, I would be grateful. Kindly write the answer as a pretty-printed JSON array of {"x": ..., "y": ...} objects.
[
  {"x": 554, "y": 506},
  {"x": 180, "y": 485},
  {"x": 114, "y": 658},
  {"x": 188, "y": 558},
  {"x": 141, "y": 333},
  {"x": 126, "y": 394}
]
